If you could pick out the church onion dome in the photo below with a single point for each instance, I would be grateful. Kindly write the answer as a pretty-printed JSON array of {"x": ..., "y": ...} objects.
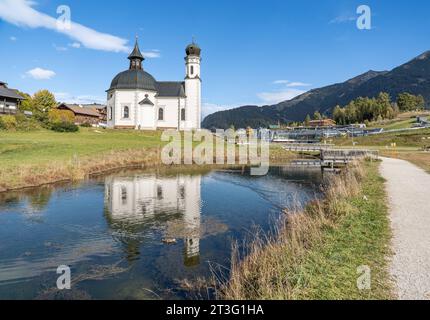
[
  {"x": 134, "y": 79},
  {"x": 193, "y": 50}
]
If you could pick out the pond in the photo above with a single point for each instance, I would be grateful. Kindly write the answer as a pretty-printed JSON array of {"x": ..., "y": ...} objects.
[{"x": 138, "y": 234}]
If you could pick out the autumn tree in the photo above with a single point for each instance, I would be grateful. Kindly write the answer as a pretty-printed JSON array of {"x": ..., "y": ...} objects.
[{"x": 42, "y": 102}]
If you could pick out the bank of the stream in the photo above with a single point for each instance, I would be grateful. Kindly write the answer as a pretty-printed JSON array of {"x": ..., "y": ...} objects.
[{"x": 325, "y": 251}]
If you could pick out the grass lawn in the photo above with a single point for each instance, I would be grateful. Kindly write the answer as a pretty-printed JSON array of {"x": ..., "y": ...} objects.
[
  {"x": 40, "y": 157},
  {"x": 408, "y": 140},
  {"x": 409, "y": 145},
  {"x": 17, "y": 148},
  {"x": 361, "y": 238}
]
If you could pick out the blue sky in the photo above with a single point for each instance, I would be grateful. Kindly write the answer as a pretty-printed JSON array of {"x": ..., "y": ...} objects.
[{"x": 254, "y": 52}]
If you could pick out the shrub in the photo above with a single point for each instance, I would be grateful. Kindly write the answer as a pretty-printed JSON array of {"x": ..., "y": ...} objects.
[
  {"x": 57, "y": 116},
  {"x": 86, "y": 125},
  {"x": 8, "y": 122},
  {"x": 64, "y": 127},
  {"x": 26, "y": 124}
]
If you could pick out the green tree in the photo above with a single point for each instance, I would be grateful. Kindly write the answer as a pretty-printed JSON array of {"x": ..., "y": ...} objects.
[
  {"x": 42, "y": 102},
  {"x": 27, "y": 103},
  {"x": 410, "y": 102},
  {"x": 58, "y": 116},
  {"x": 307, "y": 120},
  {"x": 339, "y": 115},
  {"x": 383, "y": 104},
  {"x": 317, "y": 115}
]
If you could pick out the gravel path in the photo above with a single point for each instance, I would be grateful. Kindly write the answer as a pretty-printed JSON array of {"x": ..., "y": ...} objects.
[{"x": 408, "y": 190}]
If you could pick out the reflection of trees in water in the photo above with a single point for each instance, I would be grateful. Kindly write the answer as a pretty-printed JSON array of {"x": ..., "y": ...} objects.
[{"x": 37, "y": 199}]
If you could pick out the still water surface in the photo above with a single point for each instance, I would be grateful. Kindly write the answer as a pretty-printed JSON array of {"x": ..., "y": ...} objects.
[{"x": 112, "y": 230}]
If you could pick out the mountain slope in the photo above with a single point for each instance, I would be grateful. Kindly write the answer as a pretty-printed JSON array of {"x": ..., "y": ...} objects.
[{"x": 412, "y": 77}]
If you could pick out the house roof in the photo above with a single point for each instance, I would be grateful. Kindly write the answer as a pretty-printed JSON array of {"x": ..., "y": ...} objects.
[
  {"x": 8, "y": 93},
  {"x": 96, "y": 106},
  {"x": 171, "y": 89},
  {"x": 76, "y": 109}
]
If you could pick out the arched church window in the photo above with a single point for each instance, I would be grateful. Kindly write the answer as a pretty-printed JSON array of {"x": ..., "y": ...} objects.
[
  {"x": 182, "y": 114},
  {"x": 192, "y": 70},
  {"x": 110, "y": 113},
  {"x": 126, "y": 112},
  {"x": 161, "y": 114}
]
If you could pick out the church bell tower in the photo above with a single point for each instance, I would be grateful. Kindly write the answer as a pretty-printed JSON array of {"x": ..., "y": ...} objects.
[
  {"x": 193, "y": 86},
  {"x": 136, "y": 58}
]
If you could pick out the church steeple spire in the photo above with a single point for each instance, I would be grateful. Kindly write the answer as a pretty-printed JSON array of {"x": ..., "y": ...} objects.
[{"x": 136, "y": 57}]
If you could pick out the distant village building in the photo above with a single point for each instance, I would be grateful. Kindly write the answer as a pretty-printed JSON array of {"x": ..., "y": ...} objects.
[
  {"x": 100, "y": 108},
  {"x": 136, "y": 100},
  {"x": 9, "y": 99},
  {"x": 82, "y": 114},
  {"x": 322, "y": 123}
]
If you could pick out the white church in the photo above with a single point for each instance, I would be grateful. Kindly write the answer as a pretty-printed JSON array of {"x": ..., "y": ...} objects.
[{"x": 135, "y": 100}]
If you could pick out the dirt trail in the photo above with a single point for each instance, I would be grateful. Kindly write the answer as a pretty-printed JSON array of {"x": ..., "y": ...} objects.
[{"x": 408, "y": 190}]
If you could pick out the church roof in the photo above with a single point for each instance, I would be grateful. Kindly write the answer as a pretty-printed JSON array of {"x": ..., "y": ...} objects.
[
  {"x": 171, "y": 89},
  {"x": 134, "y": 79},
  {"x": 136, "y": 52},
  {"x": 137, "y": 79},
  {"x": 146, "y": 101},
  {"x": 193, "y": 49}
]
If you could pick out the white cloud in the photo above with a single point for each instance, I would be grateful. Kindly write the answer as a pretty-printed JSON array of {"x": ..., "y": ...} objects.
[
  {"x": 40, "y": 74},
  {"x": 12, "y": 38},
  {"x": 291, "y": 84},
  {"x": 21, "y": 13},
  {"x": 281, "y": 82},
  {"x": 75, "y": 45},
  {"x": 151, "y": 54},
  {"x": 279, "y": 96},
  {"x": 298, "y": 84},
  {"x": 78, "y": 99}
]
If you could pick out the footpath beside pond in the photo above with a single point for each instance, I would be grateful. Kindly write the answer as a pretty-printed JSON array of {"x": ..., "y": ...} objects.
[{"x": 408, "y": 191}]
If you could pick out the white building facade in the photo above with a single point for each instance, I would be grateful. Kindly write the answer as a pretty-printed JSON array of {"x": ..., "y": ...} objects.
[{"x": 136, "y": 100}]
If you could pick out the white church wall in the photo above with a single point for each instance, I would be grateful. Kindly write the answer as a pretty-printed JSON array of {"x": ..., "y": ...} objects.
[
  {"x": 170, "y": 106},
  {"x": 146, "y": 113},
  {"x": 124, "y": 98}
]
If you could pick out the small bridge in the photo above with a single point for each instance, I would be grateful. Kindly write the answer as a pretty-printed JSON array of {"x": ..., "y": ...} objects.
[
  {"x": 328, "y": 156},
  {"x": 335, "y": 157},
  {"x": 303, "y": 147}
]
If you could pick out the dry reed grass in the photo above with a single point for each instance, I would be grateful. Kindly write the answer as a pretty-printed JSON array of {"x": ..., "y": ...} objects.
[{"x": 25, "y": 176}]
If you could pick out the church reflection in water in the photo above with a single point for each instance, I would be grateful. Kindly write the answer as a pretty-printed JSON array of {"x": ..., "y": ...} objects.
[{"x": 138, "y": 206}]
